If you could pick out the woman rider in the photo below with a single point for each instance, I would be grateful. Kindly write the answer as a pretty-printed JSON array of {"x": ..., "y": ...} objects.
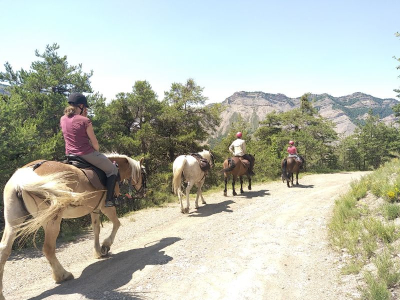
[{"x": 81, "y": 141}]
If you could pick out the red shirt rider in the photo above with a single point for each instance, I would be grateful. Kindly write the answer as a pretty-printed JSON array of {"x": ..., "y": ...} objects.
[{"x": 292, "y": 149}]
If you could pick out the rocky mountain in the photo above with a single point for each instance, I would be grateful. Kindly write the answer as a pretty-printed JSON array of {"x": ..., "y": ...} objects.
[
  {"x": 2, "y": 89},
  {"x": 345, "y": 112}
]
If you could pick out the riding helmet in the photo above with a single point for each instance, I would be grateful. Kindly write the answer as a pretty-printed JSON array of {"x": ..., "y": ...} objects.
[
  {"x": 291, "y": 143},
  {"x": 239, "y": 134},
  {"x": 77, "y": 98}
]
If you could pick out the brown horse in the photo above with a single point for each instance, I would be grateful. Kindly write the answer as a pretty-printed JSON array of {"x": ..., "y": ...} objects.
[
  {"x": 291, "y": 166},
  {"x": 48, "y": 191},
  {"x": 238, "y": 167}
]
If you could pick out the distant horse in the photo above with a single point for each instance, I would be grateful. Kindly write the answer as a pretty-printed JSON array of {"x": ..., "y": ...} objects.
[
  {"x": 48, "y": 191},
  {"x": 237, "y": 167},
  {"x": 188, "y": 168},
  {"x": 291, "y": 166}
]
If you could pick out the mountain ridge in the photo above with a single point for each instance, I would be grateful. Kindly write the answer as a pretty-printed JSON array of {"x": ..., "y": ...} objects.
[{"x": 345, "y": 111}]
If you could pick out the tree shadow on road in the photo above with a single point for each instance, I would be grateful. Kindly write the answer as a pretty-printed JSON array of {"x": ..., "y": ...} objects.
[
  {"x": 212, "y": 209},
  {"x": 101, "y": 280}
]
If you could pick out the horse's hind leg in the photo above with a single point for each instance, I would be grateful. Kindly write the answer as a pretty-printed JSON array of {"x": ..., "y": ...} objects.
[
  {"x": 226, "y": 182},
  {"x": 233, "y": 185},
  {"x": 249, "y": 178},
  {"x": 51, "y": 231},
  {"x": 111, "y": 214},
  {"x": 297, "y": 178},
  {"x": 14, "y": 215},
  {"x": 96, "y": 232},
  {"x": 199, "y": 194},
  {"x": 241, "y": 184},
  {"x": 188, "y": 188}
]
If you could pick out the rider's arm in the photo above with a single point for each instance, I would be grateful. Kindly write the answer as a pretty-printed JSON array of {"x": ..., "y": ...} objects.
[
  {"x": 92, "y": 137},
  {"x": 231, "y": 148}
]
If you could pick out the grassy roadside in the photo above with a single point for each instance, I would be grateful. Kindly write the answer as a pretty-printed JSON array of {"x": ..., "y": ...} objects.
[{"x": 365, "y": 228}]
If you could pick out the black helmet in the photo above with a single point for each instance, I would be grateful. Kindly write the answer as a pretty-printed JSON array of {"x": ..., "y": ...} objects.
[{"x": 77, "y": 98}]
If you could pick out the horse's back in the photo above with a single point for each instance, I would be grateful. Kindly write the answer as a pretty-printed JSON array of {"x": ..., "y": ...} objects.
[{"x": 292, "y": 165}]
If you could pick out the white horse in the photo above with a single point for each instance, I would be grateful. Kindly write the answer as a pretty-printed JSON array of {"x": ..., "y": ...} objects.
[{"x": 189, "y": 167}]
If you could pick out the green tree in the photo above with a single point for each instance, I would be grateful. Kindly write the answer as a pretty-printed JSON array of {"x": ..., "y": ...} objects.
[
  {"x": 186, "y": 122},
  {"x": 29, "y": 116}
]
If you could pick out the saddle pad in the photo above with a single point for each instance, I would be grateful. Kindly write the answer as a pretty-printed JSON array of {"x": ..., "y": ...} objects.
[{"x": 94, "y": 179}]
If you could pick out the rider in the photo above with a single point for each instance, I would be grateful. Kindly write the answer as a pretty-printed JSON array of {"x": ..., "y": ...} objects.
[
  {"x": 292, "y": 150},
  {"x": 238, "y": 148},
  {"x": 81, "y": 141}
]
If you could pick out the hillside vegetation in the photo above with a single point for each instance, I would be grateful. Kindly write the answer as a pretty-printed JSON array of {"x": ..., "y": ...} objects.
[{"x": 365, "y": 228}]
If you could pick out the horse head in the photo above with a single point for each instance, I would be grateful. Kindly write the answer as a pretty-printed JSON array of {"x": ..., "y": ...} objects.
[
  {"x": 209, "y": 156},
  {"x": 131, "y": 171}
]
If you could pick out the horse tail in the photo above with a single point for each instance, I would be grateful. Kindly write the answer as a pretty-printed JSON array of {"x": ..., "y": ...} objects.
[
  {"x": 231, "y": 166},
  {"x": 55, "y": 192},
  {"x": 177, "y": 174},
  {"x": 284, "y": 167}
]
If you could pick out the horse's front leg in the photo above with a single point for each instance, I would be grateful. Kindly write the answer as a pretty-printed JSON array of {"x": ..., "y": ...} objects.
[
  {"x": 96, "y": 232},
  {"x": 233, "y": 185},
  {"x": 241, "y": 184},
  {"x": 297, "y": 178},
  {"x": 226, "y": 182},
  {"x": 51, "y": 231},
  {"x": 111, "y": 214}
]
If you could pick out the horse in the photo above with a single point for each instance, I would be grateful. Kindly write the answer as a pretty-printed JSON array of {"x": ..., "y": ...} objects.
[
  {"x": 47, "y": 192},
  {"x": 187, "y": 168},
  {"x": 238, "y": 168},
  {"x": 290, "y": 166}
]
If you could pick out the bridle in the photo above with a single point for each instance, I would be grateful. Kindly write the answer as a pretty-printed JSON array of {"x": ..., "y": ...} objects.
[{"x": 143, "y": 187}]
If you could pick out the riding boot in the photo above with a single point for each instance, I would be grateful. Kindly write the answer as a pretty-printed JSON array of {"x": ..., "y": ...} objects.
[{"x": 111, "y": 181}]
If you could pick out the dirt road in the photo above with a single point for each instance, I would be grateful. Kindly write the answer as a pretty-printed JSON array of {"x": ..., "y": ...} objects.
[{"x": 269, "y": 243}]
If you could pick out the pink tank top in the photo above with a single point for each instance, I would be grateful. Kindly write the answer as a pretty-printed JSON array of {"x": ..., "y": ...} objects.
[
  {"x": 75, "y": 136},
  {"x": 292, "y": 150}
]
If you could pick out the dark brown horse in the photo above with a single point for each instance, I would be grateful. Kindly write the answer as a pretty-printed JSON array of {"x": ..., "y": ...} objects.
[
  {"x": 290, "y": 166},
  {"x": 238, "y": 167}
]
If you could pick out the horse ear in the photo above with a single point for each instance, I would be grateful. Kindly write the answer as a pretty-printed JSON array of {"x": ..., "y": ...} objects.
[{"x": 141, "y": 161}]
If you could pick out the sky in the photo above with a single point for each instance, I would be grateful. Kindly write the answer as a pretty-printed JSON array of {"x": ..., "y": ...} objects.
[{"x": 289, "y": 47}]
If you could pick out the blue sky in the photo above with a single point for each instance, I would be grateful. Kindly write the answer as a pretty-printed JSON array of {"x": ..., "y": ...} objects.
[{"x": 289, "y": 47}]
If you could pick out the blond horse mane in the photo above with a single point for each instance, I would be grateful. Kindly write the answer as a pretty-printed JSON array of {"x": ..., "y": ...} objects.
[{"x": 134, "y": 164}]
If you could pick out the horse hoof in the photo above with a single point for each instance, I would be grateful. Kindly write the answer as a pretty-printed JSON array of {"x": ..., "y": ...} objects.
[
  {"x": 104, "y": 250},
  {"x": 249, "y": 188},
  {"x": 66, "y": 277},
  {"x": 234, "y": 194}
]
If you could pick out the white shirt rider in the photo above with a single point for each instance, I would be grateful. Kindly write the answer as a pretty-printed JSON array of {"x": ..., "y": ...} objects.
[{"x": 238, "y": 147}]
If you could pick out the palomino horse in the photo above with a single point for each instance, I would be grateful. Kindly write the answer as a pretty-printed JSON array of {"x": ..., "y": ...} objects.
[
  {"x": 190, "y": 167},
  {"x": 47, "y": 192},
  {"x": 237, "y": 167},
  {"x": 290, "y": 166}
]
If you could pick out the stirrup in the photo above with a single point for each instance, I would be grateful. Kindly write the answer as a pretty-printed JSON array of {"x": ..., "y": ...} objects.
[{"x": 109, "y": 203}]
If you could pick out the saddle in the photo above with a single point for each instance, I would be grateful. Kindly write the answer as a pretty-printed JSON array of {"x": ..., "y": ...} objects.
[
  {"x": 204, "y": 164},
  {"x": 96, "y": 176},
  {"x": 236, "y": 159}
]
